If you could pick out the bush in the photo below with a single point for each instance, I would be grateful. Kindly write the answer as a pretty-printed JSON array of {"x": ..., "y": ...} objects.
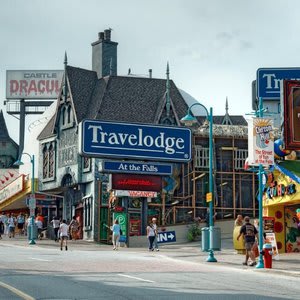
[{"x": 193, "y": 232}]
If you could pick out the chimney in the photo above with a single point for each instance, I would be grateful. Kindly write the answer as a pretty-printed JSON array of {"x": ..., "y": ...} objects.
[
  {"x": 150, "y": 73},
  {"x": 104, "y": 55}
]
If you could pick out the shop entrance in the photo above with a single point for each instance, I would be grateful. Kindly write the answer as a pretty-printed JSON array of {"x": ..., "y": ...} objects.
[
  {"x": 292, "y": 232},
  {"x": 137, "y": 211}
]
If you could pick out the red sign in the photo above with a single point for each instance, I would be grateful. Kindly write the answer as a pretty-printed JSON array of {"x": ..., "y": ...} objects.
[
  {"x": 136, "y": 182},
  {"x": 291, "y": 101}
]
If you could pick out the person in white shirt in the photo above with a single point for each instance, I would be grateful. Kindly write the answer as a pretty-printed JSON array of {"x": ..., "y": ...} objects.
[
  {"x": 55, "y": 224},
  {"x": 39, "y": 225},
  {"x": 11, "y": 225},
  {"x": 150, "y": 236},
  {"x": 63, "y": 233}
]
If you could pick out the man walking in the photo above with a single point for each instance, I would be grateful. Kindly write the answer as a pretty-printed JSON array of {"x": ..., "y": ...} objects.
[{"x": 249, "y": 232}]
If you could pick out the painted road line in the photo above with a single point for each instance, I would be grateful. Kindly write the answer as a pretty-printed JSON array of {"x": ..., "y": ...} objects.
[
  {"x": 137, "y": 278},
  {"x": 16, "y": 291},
  {"x": 39, "y": 259}
]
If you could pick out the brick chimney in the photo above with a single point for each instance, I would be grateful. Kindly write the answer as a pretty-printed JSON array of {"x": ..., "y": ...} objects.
[{"x": 104, "y": 55}]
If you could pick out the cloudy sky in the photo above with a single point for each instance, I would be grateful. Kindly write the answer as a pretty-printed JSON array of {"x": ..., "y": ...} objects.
[{"x": 213, "y": 47}]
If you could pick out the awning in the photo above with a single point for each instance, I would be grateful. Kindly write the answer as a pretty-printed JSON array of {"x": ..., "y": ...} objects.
[{"x": 290, "y": 168}]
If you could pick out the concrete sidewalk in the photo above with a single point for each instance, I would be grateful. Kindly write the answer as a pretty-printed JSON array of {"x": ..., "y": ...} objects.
[{"x": 288, "y": 263}]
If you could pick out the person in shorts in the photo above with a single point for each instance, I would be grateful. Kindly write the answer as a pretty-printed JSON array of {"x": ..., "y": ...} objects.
[
  {"x": 249, "y": 232},
  {"x": 63, "y": 234}
]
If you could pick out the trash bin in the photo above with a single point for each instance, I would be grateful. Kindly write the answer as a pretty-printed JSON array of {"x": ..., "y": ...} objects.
[
  {"x": 205, "y": 239},
  {"x": 29, "y": 232},
  {"x": 215, "y": 237}
]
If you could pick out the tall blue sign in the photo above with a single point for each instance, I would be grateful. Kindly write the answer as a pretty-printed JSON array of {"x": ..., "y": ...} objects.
[
  {"x": 268, "y": 81},
  {"x": 136, "y": 141}
]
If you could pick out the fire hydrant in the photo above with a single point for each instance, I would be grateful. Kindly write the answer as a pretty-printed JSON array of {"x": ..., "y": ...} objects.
[{"x": 267, "y": 254}]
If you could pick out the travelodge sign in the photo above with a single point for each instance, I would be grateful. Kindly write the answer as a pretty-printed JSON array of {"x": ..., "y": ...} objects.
[{"x": 134, "y": 141}]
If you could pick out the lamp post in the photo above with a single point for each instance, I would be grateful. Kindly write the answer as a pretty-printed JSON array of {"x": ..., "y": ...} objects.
[
  {"x": 32, "y": 203},
  {"x": 189, "y": 120},
  {"x": 260, "y": 265}
]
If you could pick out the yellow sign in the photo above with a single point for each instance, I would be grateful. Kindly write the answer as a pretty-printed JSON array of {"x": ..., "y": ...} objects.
[{"x": 208, "y": 197}]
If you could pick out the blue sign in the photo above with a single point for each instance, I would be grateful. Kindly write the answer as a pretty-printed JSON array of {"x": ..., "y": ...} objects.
[
  {"x": 138, "y": 141},
  {"x": 136, "y": 168},
  {"x": 268, "y": 81},
  {"x": 166, "y": 237}
]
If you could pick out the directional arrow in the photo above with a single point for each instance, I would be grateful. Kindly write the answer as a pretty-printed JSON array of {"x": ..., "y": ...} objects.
[{"x": 171, "y": 236}]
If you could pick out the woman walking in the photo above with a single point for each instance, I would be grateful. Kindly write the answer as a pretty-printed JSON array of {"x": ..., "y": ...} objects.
[
  {"x": 150, "y": 236},
  {"x": 116, "y": 234}
]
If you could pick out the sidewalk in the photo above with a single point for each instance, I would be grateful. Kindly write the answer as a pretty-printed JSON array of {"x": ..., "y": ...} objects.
[{"x": 288, "y": 263}]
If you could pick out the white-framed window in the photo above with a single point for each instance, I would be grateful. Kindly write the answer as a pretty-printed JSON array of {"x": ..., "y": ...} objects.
[
  {"x": 201, "y": 157},
  {"x": 240, "y": 156}
]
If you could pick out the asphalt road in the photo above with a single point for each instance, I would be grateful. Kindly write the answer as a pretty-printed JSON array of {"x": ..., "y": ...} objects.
[{"x": 48, "y": 273}]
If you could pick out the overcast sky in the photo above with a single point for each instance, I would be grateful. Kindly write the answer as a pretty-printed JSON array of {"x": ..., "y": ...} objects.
[{"x": 213, "y": 47}]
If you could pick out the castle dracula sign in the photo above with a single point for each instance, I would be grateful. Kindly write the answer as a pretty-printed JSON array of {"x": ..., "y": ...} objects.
[{"x": 134, "y": 141}]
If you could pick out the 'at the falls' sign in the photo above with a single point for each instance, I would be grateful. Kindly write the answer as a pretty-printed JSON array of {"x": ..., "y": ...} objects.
[{"x": 260, "y": 142}]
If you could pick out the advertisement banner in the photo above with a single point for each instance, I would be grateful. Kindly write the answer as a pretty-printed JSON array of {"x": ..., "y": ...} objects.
[
  {"x": 33, "y": 84},
  {"x": 260, "y": 142},
  {"x": 291, "y": 114}
]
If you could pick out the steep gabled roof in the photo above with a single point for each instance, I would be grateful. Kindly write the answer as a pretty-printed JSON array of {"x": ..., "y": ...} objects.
[
  {"x": 218, "y": 120},
  {"x": 118, "y": 98}
]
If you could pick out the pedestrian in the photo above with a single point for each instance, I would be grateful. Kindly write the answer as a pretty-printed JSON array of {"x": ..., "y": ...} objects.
[
  {"x": 20, "y": 223},
  {"x": 150, "y": 236},
  {"x": 116, "y": 231},
  {"x": 249, "y": 232},
  {"x": 1, "y": 227},
  {"x": 11, "y": 225},
  {"x": 155, "y": 227},
  {"x": 39, "y": 225},
  {"x": 3, "y": 220},
  {"x": 55, "y": 224},
  {"x": 63, "y": 234},
  {"x": 27, "y": 218},
  {"x": 74, "y": 227},
  {"x": 238, "y": 221}
]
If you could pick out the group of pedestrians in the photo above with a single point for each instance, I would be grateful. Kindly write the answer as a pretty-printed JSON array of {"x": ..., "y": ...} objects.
[
  {"x": 64, "y": 231},
  {"x": 9, "y": 223}
]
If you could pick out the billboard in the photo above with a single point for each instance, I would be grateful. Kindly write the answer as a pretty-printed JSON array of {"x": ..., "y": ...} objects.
[
  {"x": 33, "y": 84},
  {"x": 291, "y": 114},
  {"x": 136, "y": 141},
  {"x": 268, "y": 81},
  {"x": 260, "y": 142}
]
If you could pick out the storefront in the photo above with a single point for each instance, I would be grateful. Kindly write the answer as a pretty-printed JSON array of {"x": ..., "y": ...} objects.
[{"x": 282, "y": 202}]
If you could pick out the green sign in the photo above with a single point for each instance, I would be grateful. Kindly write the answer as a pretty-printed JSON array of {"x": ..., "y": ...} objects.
[{"x": 123, "y": 218}]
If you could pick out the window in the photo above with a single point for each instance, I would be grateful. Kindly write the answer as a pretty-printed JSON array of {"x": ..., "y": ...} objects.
[
  {"x": 48, "y": 161},
  {"x": 86, "y": 164},
  {"x": 201, "y": 157},
  {"x": 240, "y": 158},
  {"x": 87, "y": 212}
]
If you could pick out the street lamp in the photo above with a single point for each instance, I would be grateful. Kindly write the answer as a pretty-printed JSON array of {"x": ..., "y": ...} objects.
[
  {"x": 189, "y": 120},
  {"x": 32, "y": 209}
]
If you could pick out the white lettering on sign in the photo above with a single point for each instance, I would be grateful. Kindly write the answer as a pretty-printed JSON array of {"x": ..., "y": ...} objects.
[
  {"x": 168, "y": 145},
  {"x": 273, "y": 82},
  {"x": 145, "y": 194}
]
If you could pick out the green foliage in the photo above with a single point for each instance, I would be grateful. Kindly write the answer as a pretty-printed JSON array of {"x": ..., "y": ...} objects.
[{"x": 193, "y": 232}]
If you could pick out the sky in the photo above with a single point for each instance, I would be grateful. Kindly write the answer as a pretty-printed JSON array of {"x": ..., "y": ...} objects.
[{"x": 214, "y": 48}]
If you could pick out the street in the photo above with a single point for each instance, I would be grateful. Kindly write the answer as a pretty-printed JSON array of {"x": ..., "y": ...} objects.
[{"x": 35, "y": 272}]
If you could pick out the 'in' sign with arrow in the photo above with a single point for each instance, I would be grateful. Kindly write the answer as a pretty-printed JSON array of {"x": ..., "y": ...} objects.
[{"x": 166, "y": 237}]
